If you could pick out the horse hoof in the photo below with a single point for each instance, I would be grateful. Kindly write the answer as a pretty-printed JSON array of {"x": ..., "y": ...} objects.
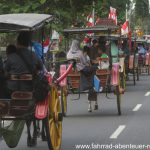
[
  {"x": 38, "y": 133},
  {"x": 31, "y": 142},
  {"x": 89, "y": 110},
  {"x": 96, "y": 107},
  {"x": 34, "y": 141},
  {"x": 44, "y": 138}
]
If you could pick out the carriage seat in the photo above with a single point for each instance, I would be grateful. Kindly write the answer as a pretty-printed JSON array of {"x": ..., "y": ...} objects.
[
  {"x": 23, "y": 77},
  {"x": 74, "y": 77},
  {"x": 20, "y": 101},
  {"x": 21, "y": 95}
]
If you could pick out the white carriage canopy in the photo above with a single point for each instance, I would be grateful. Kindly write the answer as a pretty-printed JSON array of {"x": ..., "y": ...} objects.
[{"x": 23, "y": 22}]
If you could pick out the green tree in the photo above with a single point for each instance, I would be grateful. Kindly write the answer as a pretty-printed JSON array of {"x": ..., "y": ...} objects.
[
  {"x": 142, "y": 8},
  {"x": 142, "y": 14},
  {"x": 67, "y": 12}
]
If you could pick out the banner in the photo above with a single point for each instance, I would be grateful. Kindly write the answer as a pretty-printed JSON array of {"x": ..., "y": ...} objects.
[
  {"x": 90, "y": 21},
  {"x": 125, "y": 28},
  {"x": 113, "y": 15}
]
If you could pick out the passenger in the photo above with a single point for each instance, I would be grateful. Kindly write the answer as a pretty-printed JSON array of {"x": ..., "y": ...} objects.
[
  {"x": 104, "y": 54},
  {"x": 16, "y": 65},
  {"x": 88, "y": 69},
  {"x": 142, "y": 50},
  {"x": 94, "y": 53},
  {"x": 10, "y": 49},
  {"x": 83, "y": 60},
  {"x": 103, "y": 63},
  {"x": 86, "y": 53}
]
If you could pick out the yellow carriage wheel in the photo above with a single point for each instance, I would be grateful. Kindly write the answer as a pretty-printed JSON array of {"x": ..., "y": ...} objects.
[
  {"x": 54, "y": 121},
  {"x": 64, "y": 100}
]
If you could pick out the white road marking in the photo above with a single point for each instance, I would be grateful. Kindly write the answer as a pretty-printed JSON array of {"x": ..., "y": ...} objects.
[
  {"x": 117, "y": 132},
  {"x": 147, "y": 94},
  {"x": 137, "y": 107}
]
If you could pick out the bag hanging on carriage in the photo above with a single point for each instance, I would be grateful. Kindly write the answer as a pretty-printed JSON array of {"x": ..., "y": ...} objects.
[{"x": 12, "y": 133}]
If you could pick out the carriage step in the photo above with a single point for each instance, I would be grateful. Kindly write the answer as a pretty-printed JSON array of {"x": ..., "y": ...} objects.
[{"x": 19, "y": 95}]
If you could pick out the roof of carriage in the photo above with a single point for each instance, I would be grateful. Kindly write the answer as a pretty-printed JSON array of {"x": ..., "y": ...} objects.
[
  {"x": 23, "y": 21},
  {"x": 103, "y": 26},
  {"x": 94, "y": 29}
]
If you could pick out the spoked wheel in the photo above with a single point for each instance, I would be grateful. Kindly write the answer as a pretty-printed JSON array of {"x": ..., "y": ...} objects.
[
  {"x": 118, "y": 94},
  {"x": 123, "y": 80},
  {"x": 148, "y": 69},
  {"x": 54, "y": 121},
  {"x": 134, "y": 76},
  {"x": 137, "y": 73},
  {"x": 64, "y": 100}
]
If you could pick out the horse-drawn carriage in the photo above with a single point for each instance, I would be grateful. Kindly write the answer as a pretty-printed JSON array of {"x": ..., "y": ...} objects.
[
  {"x": 109, "y": 76},
  {"x": 143, "y": 56},
  {"x": 20, "y": 108},
  {"x": 131, "y": 59}
]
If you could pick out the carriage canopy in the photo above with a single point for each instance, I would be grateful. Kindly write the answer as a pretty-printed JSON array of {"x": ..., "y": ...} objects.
[{"x": 23, "y": 22}]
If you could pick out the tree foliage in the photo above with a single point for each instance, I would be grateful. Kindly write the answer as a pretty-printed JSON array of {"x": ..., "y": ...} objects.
[
  {"x": 142, "y": 16},
  {"x": 67, "y": 12}
]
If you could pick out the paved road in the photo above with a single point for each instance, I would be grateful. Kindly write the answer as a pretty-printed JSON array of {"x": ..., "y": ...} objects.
[{"x": 104, "y": 127}]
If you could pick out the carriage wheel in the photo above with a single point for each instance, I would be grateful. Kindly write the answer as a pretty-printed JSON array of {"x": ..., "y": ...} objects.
[
  {"x": 148, "y": 69},
  {"x": 64, "y": 100},
  {"x": 134, "y": 76},
  {"x": 54, "y": 121},
  {"x": 118, "y": 99},
  {"x": 123, "y": 81},
  {"x": 137, "y": 71}
]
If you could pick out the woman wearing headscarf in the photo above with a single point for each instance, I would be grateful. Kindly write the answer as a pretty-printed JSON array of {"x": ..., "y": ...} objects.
[{"x": 82, "y": 65}]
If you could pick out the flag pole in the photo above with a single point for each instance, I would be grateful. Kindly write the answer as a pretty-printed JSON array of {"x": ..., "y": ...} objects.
[
  {"x": 126, "y": 12},
  {"x": 93, "y": 12}
]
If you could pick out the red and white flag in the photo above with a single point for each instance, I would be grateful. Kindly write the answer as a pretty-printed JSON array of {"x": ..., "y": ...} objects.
[
  {"x": 97, "y": 20},
  {"x": 46, "y": 44},
  {"x": 113, "y": 14},
  {"x": 90, "y": 21},
  {"x": 125, "y": 28}
]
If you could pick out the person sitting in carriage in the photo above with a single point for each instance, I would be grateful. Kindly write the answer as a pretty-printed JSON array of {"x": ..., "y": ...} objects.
[
  {"x": 86, "y": 71},
  {"x": 94, "y": 51},
  {"x": 15, "y": 65}
]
